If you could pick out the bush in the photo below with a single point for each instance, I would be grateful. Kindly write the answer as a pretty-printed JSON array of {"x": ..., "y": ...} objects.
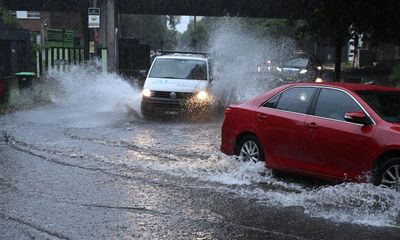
[
  {"x": 394, "y": 76},
  {"x": 8, "y": 19}
]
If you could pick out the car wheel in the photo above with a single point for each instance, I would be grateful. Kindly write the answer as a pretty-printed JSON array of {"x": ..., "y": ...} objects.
[
  {"x": 250, "y": 149},
  {"x": 389, "y": 174}
]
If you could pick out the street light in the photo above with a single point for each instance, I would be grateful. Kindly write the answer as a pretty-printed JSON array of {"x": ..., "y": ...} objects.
[{"x": 42, "y": 26}]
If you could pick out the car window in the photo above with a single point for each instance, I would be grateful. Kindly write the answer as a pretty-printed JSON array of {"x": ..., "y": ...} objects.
[
  {"x": 386, "y": 104},
  {"x": 294, "y": 100},
  {"x": 273, "y": 102},
  {"x": 297, "y": 62},
  {"x": 335, "y": 104}
]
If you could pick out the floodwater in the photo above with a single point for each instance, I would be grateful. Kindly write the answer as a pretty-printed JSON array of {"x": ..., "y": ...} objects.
[{"x": 95, "y": 124}]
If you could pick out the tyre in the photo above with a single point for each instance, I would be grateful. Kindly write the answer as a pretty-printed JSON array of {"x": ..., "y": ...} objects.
[
  {"x": 388, "y": 174},
  {"x": 250, "y": 149},
  {"x": 144, "y": 110}
]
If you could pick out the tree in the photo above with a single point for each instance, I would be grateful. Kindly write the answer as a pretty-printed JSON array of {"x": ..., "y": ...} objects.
[
  {"x": 173, "y": 21},
  {"x": 7, "y": 18},
  {"x": 275, "y": 28},
  {"x": 151, "y": 29},
  {"x": 379, "y": 20},
  {"x": 332, "y": 21},
  {"x": 336, "y": 21}
]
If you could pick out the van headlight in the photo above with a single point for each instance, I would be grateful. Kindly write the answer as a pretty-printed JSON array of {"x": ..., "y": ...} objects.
[
  {"x": 146, "y": 92},
  {"x": 303, "y": 71},
  {"x": 202, "y": 95}
]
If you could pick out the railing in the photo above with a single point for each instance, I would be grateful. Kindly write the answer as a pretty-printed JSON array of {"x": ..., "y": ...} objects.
[{"x": 56, "y": 58}]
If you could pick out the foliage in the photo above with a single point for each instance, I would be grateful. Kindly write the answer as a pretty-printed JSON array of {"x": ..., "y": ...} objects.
[
  {"x": 279, "y": 29},
  {"x": 276, "y": 28},
  {"x": 150, "y": 29},
  {"x": 395, "y": 75},
  {"x": 378, "y": 20},
  {"x": 173, "y": 21},
  {"x": 7, "y": 18},
  {"x": 197, "y": 36},
  {"x": 336, "y": 21}
]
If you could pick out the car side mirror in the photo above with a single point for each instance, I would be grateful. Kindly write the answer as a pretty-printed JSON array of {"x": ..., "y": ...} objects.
[{"x": 358, "y": 117}]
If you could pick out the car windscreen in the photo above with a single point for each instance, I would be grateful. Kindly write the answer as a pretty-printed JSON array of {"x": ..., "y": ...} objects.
[
  {"x": 297, "y": 63},
  {"x": 386, "y": 104},
  {"x": 179, "y": 69}
]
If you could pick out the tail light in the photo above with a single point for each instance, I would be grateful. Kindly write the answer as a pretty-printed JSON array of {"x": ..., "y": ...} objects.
[{"x": 228, "y": 110}]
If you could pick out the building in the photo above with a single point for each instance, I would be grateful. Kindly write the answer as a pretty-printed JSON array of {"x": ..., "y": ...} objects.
[{"x": 40, "y": 22}]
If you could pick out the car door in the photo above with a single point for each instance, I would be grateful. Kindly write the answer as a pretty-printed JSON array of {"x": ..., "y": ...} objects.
[
  {"x": 281, "y": 125},
  {"x": 336, "y": 147}
]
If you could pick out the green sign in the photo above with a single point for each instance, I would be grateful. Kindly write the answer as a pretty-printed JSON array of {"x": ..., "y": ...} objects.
[{"x": 60, "y": 38}]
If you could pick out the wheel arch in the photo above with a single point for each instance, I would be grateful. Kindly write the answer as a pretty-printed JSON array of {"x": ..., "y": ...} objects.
[
  {"x": 380, "y": 164},
  {"x": 239, "y": 139},
  {"x": 386, "y": 156}
]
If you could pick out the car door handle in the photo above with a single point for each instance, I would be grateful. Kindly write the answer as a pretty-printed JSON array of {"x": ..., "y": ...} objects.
[
  {"x": 261, "y": 116},
  {"x": 312, "y": 125}
]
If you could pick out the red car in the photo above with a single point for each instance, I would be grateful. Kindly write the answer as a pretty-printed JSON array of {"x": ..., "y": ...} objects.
[{"x": 334, "y": 131}]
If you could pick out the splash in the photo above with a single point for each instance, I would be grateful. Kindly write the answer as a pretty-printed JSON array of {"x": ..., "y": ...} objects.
[
  {"x": 238, "y": 51},
  {"x": 86, "y": 88},
  {"x": 356, "y": 203}
]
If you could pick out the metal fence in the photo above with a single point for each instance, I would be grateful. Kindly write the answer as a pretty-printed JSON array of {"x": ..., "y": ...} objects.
[
  {"x": 57, "y": 58},
  {"x": 61, "y": 58}
]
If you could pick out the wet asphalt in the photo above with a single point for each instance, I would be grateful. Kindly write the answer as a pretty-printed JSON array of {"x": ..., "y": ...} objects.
[{"x": 83, "y": 175}]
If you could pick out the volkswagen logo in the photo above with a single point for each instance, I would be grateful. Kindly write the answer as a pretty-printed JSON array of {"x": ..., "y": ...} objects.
[{"x": 172, "y": 95}]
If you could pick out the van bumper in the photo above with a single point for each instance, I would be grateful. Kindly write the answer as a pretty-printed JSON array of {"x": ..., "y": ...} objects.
[{"x": 162, "y": 106}]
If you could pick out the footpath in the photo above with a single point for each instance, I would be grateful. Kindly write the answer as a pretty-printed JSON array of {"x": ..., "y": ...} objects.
[{"x": 18, "y": 93}]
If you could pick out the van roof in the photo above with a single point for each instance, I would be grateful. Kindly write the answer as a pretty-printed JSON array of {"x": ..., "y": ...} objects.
[{"x": 183, "y": 56}]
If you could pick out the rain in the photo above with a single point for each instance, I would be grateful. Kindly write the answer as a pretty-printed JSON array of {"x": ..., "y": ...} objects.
[{"x": 78, "y": 160}]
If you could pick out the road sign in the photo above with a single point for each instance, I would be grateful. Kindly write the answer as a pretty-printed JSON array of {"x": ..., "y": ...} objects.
[{"x": 94, "y": 17}]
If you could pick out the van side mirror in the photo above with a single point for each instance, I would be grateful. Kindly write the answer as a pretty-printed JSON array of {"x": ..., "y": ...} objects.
[
  {"x": 358, "y": 117},
  {"x": 143, "y": 73}
]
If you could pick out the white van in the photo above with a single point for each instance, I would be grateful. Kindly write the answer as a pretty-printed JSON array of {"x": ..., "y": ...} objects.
[{"x": 178, "y": 82}]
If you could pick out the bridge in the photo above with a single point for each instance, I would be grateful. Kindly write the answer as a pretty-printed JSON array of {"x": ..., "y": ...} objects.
[
  {"x": 239, "y": 8},
  {"x": 294, "y": 9}
]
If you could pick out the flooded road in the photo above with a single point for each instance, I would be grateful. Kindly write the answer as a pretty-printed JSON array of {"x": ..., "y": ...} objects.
[
  {"x": 71, "y": 173},
  {"x": 87, "y": 166}
]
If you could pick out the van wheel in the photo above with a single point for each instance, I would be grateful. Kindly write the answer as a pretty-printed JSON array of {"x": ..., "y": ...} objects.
[
  {"x": 250, "y": 149},
  {"x": 389, "y": 174}
]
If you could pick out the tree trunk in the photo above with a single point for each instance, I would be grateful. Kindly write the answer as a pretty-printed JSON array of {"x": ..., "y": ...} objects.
[
  {"x": 338, "y": 57},
  {"x": 356, "y": 40}
]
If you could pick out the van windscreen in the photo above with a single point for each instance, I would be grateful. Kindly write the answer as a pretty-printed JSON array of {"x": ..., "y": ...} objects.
[{"x": 179, "y": 69}]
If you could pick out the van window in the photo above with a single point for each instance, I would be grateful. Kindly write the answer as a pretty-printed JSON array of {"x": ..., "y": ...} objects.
[{"x": 179, "y": 69}]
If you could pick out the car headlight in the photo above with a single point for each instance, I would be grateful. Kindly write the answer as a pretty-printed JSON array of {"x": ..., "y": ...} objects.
[
  {"x": 202, "y": 95},
  {"x": 279, "y": 69},
  {"x": 303, "y": 71},
  {"x": 146, "y": 92},
  {"x": 319, "y": 68},
  {"x": 319, "y": 80}
]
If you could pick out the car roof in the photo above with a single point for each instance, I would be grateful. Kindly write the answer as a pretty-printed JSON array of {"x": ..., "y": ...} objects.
[{"x": 351, "y": 86}]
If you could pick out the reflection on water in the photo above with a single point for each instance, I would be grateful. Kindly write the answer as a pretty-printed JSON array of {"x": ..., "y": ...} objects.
[{"x": 92, "y": 131}]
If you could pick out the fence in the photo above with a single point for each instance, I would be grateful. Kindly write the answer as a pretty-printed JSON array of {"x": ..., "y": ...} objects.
[{"x": 60, "y": 57}]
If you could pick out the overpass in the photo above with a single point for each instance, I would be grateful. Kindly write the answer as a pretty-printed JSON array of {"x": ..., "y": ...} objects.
[
  {"x": 240, "y": 8},
  {"x": 111, "y": 8}
]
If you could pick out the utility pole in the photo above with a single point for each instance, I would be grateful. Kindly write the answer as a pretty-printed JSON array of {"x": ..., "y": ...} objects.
[
  {"x": 112, "y": 34},
  {"x": 93, "y": 25}
]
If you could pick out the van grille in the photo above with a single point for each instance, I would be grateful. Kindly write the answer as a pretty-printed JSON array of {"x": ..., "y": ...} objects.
[{"x": 179, "y": 95}]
